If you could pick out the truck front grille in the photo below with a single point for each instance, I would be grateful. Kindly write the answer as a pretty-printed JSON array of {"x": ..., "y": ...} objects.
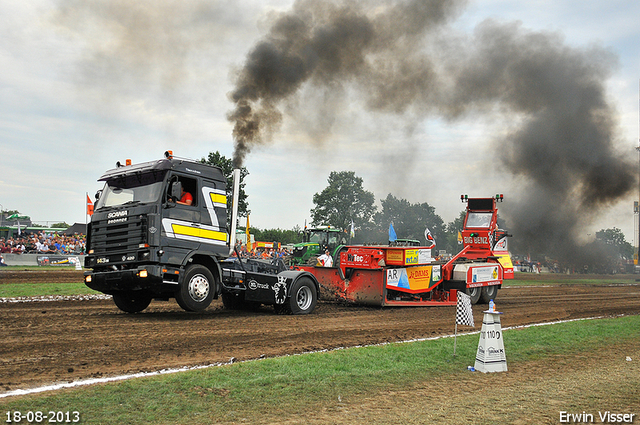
[{"x": 118, "y": 237}]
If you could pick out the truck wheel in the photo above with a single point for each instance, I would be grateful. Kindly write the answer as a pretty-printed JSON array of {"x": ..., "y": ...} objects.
[
  {"x": 489, "y": 293},
  {"x": 303, "y": 296},
  {"x": 132, "y": 302},
  {"x": 196, "y": 291},
  {"x": 474, "y": 293}
]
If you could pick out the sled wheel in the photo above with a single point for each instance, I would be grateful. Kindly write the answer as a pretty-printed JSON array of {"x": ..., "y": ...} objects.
[
  {"x": 474, "y": 293},
  {"x": 196, "y": 291},
  {"x": 132, "y": 302},
  {"x": 303, "y": 296},
  {"x": 488, "y": 293}
]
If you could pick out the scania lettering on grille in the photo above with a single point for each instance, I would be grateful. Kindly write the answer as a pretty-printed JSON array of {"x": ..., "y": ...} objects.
[
  {"x": 116, "y": 214},
  {"x": 117, "y": 217}
]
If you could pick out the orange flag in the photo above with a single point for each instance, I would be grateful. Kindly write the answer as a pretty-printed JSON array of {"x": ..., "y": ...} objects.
[{"x": 89, "y": 206}]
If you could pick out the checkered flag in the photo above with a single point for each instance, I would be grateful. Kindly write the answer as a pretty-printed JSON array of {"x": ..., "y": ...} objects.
[{"x": 464, "y": 313}]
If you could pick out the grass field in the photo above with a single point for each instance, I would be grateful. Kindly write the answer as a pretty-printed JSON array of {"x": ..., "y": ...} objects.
[
  {"x": 393, "y": 383},
  {"x": 14, "y": 290},
  {"x": 38, "y": 268}
]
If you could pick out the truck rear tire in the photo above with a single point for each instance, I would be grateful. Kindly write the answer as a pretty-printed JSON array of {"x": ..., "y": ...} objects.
[
  {"x": 489, "y": 293},
  {"x": 196, "y": 291},
  {"x": 474, "y": 293},
  {"x": 132, "y": 302},
  {"x": 304, "y": 296}
]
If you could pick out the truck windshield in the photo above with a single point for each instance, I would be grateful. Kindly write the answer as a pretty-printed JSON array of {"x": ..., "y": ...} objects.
[
  {"x": 479, "y": 219},
  {"x": 140, "y": 188}
]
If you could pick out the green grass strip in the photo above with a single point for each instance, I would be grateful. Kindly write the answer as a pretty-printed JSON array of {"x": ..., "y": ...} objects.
[
  {"x": 549, "y": 280},
  {"x": 65, "y": 267},
  {"x": 12, "y": 290},
  {"x": 293, "y": 385}
]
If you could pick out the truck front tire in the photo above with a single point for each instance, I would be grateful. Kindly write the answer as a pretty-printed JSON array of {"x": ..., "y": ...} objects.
[
  {"x": 132, "y": 302},
  {"x": 197, "y": 288}
]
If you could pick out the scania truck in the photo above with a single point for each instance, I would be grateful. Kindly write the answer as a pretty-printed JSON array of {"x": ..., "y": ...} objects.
[{"x": 143, "y": 243}]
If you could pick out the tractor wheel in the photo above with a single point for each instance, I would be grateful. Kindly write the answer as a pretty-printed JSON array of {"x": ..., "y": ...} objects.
[
  {"x": 474, "y": 293},
  {"x": 488, "y": 293},
  {"x": 132, "y": 302},
  {"x": 303, "y": 297},
  {"x": 196, "y": 291}
]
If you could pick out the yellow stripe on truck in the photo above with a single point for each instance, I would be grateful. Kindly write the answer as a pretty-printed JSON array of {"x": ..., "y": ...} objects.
[
  {"x": 218, "y": 198},
  {"x": 179, "y": 229}
]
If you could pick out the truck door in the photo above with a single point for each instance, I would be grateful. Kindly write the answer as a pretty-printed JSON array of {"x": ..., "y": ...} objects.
[{"x": 181, "y": 221}]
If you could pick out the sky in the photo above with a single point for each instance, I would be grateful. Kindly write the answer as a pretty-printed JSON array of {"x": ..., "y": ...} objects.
[{"x": 85, "y": 84}]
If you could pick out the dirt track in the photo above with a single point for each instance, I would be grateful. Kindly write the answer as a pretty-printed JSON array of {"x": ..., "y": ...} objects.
[{"x": 45, "y": 342}]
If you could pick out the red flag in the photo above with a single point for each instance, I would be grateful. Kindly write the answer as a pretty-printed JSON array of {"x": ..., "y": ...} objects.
[{"x": 89, "y": 206}]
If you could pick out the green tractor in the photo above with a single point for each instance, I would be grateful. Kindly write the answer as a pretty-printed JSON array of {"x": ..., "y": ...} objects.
[{"x": 315, "y": 241}]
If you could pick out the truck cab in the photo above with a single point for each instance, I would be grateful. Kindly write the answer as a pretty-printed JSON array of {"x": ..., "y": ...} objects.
[{"x": 144, "y": 243}]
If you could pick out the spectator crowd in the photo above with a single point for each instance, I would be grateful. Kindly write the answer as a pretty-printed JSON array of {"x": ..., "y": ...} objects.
[
  {"x": 44, "y": 243},
  {"x": 265, "y": 254}
]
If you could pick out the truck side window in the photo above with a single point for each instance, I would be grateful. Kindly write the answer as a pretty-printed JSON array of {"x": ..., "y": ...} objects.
[{"x": 190, "y": 191}]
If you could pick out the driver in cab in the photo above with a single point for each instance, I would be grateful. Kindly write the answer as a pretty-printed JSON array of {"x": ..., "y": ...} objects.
[{"x": 185, "y": 198}]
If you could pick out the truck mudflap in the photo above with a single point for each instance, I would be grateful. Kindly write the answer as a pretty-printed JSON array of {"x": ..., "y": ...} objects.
[{"x": 151, "y": 278}]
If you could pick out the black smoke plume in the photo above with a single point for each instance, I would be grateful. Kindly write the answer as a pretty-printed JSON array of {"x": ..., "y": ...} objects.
[{"x": 406, "y": 58}]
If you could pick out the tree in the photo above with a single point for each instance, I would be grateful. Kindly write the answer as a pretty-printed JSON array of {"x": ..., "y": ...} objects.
[
  {"x": 450, "y": 244},
  {"x": 615, "y": 238},
  {"x": 342, "y": 201},
  {"x": 62, "y": 225},
  {"x": 277, "y": 235},
  {"x": 226, "y": 164},
  {"x": 410, "y": 220}
]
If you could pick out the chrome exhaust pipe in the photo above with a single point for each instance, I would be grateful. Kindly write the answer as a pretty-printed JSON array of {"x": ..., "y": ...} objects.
[{"x": 234, "y": 210}]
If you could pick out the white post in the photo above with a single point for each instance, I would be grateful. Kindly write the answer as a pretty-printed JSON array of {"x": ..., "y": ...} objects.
[{"x": 491, "y": 356}]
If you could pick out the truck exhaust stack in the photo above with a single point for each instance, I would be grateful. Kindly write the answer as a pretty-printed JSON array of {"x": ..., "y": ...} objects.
[{"x": 234, "y": 210}]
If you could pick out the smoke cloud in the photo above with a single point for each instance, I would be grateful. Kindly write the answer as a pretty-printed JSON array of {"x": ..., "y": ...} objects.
[
  {"x": 405, "y": 58},
  {"x": 402, "y": 58}
]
